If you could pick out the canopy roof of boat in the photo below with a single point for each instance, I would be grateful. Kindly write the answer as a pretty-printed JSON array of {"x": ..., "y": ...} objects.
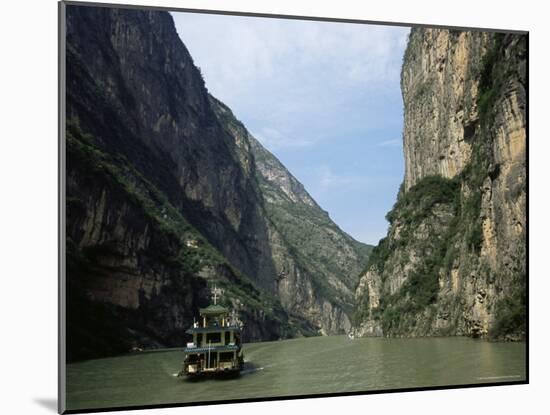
[
  {"x": 213, "y": 310},
  {"x": 212, "y": 329}
]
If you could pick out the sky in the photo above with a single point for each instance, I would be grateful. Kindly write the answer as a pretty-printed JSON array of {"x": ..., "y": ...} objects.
[{"x": 323, "y": 97}]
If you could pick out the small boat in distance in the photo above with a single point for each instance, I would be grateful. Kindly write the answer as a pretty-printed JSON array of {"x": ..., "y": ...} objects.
[{"x": 216, "y": 346}]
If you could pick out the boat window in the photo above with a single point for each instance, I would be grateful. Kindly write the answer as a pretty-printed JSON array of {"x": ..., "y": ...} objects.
[
  {"x": 226, "y": 356},
  {"x": 213, "y": 337},
  {"x": 193, "y": 358},
  {"x": 227, "y": 337}
]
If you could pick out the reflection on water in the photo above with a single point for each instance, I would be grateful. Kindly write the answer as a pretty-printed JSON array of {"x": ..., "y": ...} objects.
[{"x": 298, "y": 367}]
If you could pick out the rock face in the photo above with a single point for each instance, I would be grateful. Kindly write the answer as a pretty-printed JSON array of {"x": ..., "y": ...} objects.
[
  {"x": 165, "y": 198},
  {"x": 454, "y": 259},
  {"x": 316, "y": 263}
]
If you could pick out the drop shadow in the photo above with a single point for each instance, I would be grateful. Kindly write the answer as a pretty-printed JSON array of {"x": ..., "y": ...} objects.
[{"x": 48, "y": 403}]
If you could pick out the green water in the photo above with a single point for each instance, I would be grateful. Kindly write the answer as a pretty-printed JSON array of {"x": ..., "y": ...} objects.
[{"x": 297, "y": 367}]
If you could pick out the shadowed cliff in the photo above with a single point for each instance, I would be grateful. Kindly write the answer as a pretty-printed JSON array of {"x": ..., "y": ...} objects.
[{"x": 167, "y": 196}]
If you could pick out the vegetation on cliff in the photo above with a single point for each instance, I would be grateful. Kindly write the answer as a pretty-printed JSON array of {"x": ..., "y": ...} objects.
[
  {"x": 510, "y": 311},
  {"x": 454, "y": 258},
  {"x": 164, "y": 201},
  {"x": 178, "y": 247},
  {"x": 305, "y": 243}
]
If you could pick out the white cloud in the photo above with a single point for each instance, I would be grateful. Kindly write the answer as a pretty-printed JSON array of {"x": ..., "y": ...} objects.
[
  {"x": 328, "y": 180},
  {"x": 319, "y": 95},
  {"x": 274, "y": 140},
  {"x": 273, "y": 71},
  {"x": 324, "y": 180},
  {"x": 391, "y": 143},
  {"x": 246, "y": 49}
]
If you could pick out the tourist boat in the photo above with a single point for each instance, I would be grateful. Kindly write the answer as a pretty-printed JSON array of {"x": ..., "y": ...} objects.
[{"x": 216, "y": 345}]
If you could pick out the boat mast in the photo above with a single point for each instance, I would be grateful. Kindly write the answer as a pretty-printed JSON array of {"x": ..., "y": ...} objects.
[{"x": 216, "y": 291}]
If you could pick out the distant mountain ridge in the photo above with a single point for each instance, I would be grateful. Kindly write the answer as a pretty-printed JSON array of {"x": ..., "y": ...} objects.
[
  {"x": 168, "y": 194},
  {"x": 317, "y": 264}
]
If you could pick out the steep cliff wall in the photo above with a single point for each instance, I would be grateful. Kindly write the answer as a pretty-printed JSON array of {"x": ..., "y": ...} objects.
[
  {"x": 454, "y": 259},
  {"x": 317, "y": 264},
  {"x": 164, "y": 201}
]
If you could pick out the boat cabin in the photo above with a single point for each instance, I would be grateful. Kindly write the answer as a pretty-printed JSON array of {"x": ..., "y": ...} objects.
[{"x": 216, "y": 345}]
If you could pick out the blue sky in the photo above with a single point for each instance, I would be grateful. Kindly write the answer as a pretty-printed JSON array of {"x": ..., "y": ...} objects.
[{"x": 324, "y": 97}]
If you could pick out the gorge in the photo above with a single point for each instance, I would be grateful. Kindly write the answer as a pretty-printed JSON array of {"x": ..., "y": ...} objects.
[{"x": 168, "y": 195}]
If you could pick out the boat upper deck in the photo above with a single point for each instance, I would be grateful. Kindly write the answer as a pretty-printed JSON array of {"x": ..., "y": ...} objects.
[
  {"x": 213, "y": 329},
  {"x": 225, "y": 348}
]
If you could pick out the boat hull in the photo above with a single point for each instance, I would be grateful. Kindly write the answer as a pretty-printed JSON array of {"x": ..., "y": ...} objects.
[{"x": 222, "y": 369}]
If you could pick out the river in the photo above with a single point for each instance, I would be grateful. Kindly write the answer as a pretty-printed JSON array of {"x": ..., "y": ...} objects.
[{"x": 303, "y": 366}]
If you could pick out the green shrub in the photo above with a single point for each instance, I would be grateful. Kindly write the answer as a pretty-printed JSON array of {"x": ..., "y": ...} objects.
[
  {"x": 417, "y": 203},
  {"x": 510, "y": 316},
  {"x": 489, "y": 79},
  {"x": 378, "y": 256},
  {"x": 391, "y": 319},
  {"x": 423, "y": 285},
  {"x": 474, "y": 237}
]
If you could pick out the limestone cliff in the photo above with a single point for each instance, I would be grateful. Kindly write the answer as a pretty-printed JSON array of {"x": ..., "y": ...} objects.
[
  {"x": 454, "y": 259},
  {"x": 165, "y": 200},
  {"x": 317, "y": 264}
]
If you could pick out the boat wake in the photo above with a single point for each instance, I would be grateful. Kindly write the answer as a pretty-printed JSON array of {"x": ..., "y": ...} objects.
[
  {"x": 250, "y": 368},
  {"x": 247, "y": 371}
]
